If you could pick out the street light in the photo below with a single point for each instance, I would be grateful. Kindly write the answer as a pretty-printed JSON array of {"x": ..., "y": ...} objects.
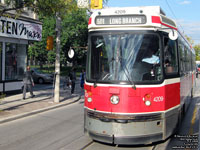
[{"x": 71, "y": 53}]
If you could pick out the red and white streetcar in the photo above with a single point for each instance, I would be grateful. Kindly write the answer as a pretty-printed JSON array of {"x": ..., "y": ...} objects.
[{"x": 140, "y": 76}]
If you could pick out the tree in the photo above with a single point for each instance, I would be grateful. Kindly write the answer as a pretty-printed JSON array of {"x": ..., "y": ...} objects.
[
  {"x": 57, "y": 9},
  {"x": 197, "y": 50},
  {"x": 74, "y": 33},
  {"x": 190, "y": 40},
  {"x": 37, "y": 50}
]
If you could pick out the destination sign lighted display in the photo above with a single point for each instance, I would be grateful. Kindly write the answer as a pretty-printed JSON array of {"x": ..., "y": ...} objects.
[{"x": 120, "y": 20}]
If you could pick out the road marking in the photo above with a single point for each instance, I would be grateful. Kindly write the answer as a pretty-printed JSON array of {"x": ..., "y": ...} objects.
[{"x": 193, "y": 121}]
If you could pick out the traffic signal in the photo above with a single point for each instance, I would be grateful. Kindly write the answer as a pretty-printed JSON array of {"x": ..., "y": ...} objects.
[
  {"x": 49, "y": 42},
  {"x": 96, "y": 4}
]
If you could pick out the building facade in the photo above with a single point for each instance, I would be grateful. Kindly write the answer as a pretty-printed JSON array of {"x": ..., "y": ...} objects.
[{"x": 16, "y": 33}]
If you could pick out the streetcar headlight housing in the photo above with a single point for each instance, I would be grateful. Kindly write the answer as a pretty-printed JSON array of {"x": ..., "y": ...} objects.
[
  {"x": 147, "y": 99},
  {"x": 114, "y": 99},
  {"x": 89, "y": 99}
]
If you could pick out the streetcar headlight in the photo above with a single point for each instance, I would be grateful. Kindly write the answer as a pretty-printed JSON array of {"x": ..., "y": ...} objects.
[
  {"x": 147, "y": 103},
  {"x": 114, "y": 99},
  {"x": 89, "y": 99}
]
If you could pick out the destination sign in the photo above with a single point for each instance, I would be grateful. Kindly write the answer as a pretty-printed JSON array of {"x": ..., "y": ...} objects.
[{"x": 120, "y": 20}]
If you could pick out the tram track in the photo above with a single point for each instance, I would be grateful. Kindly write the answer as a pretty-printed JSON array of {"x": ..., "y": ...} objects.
[
  {"x": 91, "y": 145},
  {"x": 87, "y": 145}
]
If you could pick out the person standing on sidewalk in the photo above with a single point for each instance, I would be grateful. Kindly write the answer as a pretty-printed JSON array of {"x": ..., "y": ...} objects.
[
  {"x": 28, "y": 83},
  {"x": 82, "y": 78},
  {"x": 72, "y": 76}
]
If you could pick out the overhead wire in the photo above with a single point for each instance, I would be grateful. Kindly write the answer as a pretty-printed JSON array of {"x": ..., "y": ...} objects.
[
  {"x": 176, "y": 18},
  {"x": 174, "y": 15}
]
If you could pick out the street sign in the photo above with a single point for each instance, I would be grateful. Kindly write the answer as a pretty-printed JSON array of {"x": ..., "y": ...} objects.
[{"x": 83, "y": 3}]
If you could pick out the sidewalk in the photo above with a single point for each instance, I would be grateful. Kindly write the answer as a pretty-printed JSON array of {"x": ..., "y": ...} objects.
[{"x": 13, "y": 107}]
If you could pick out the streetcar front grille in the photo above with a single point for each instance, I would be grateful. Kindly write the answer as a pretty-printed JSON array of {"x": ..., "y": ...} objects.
[{"x": 108, "y": 117}]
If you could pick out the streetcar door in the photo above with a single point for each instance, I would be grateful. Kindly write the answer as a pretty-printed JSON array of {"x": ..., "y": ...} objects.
[{"x": 170, "y": 57}]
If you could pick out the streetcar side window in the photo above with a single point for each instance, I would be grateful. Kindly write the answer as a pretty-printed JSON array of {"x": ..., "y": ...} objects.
[
  {"x": 182, "y": 57},
  {"x": 98, "y": 47},
  {"x": 170, "y": 56},
  {"x": 187, "y": 60}
]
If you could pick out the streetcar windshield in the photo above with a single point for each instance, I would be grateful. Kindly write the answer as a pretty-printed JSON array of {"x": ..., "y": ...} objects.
[{"x": 123, "y": 57}]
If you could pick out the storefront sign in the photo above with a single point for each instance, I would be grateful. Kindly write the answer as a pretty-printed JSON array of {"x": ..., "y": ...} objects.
[{"x": 20, "y": 29}]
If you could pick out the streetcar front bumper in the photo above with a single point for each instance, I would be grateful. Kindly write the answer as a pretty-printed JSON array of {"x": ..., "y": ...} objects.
[
  {"x": 126, "y": 140},
  {"x": 129, "y": 129}
]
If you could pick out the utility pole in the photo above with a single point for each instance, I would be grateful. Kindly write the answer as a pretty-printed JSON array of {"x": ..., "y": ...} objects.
[{"x": 57, "y": 63}]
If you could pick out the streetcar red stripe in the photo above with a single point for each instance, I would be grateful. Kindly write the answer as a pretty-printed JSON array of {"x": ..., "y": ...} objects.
[
  {"x": 156, "y": 19},
  {"x": 132, "y": 101},
  {"x": 168, "y": 26}
]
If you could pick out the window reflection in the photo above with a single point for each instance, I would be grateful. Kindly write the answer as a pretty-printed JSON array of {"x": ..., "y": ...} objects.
[
  {"x": 124, "y": 57},
  {"x": 15, "y": 62}
]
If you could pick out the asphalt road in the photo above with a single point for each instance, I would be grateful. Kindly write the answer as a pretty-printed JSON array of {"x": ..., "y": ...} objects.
[{"x": 53, "y": 130}]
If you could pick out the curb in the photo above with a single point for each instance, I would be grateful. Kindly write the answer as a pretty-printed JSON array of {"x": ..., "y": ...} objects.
[{"x": 26, "y": 114}]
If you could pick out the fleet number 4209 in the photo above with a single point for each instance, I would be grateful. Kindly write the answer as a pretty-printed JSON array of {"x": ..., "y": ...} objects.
[
  {"x": 158, "y": 99},
  {"x": 120, "y": 11}
]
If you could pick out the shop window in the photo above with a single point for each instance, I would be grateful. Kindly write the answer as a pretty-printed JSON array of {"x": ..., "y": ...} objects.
[{"x": 15, "y": 61}]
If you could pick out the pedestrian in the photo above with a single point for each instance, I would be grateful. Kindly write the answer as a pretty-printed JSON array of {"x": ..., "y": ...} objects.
[
  {"x": 28, "y": 83},
  {"x": 82, "y": 78},
  {"x": 72, "y": 76}
]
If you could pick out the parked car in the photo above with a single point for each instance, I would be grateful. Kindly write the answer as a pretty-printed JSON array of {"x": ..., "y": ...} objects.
[
  {"x": 40, "y": 77},
  {"x": 198, "y": 68}
]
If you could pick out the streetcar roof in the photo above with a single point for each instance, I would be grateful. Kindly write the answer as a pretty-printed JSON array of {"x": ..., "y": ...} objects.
[{"x": 146, "y": 16}]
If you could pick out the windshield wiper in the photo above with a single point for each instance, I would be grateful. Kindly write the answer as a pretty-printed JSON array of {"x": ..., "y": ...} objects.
[
  {"x": 127, "y": 75},
  {"x": 95, "y": 83},
  {"x": 119, "y": 58}
]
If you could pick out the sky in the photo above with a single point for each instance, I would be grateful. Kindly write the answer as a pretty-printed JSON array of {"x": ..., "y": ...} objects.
[{"x": 186, "y": 13}]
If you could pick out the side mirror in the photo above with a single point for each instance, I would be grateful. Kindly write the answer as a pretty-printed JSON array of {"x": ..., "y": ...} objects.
[{"x": 173, "y": 34}]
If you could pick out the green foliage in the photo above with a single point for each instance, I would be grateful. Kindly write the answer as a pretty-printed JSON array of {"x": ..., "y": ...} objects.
[
  {"x": 73, "y": 34},
  {"x": 44, "y": 7},
  {"x": 196, "y": 47},
  {"x": 190, "y": 40},
  {"x": 197, "y": 50},
  {"x": 51, "y": 56},
  {"x": 51, "y": 7},
  {"x": 38, "y": 49}
]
